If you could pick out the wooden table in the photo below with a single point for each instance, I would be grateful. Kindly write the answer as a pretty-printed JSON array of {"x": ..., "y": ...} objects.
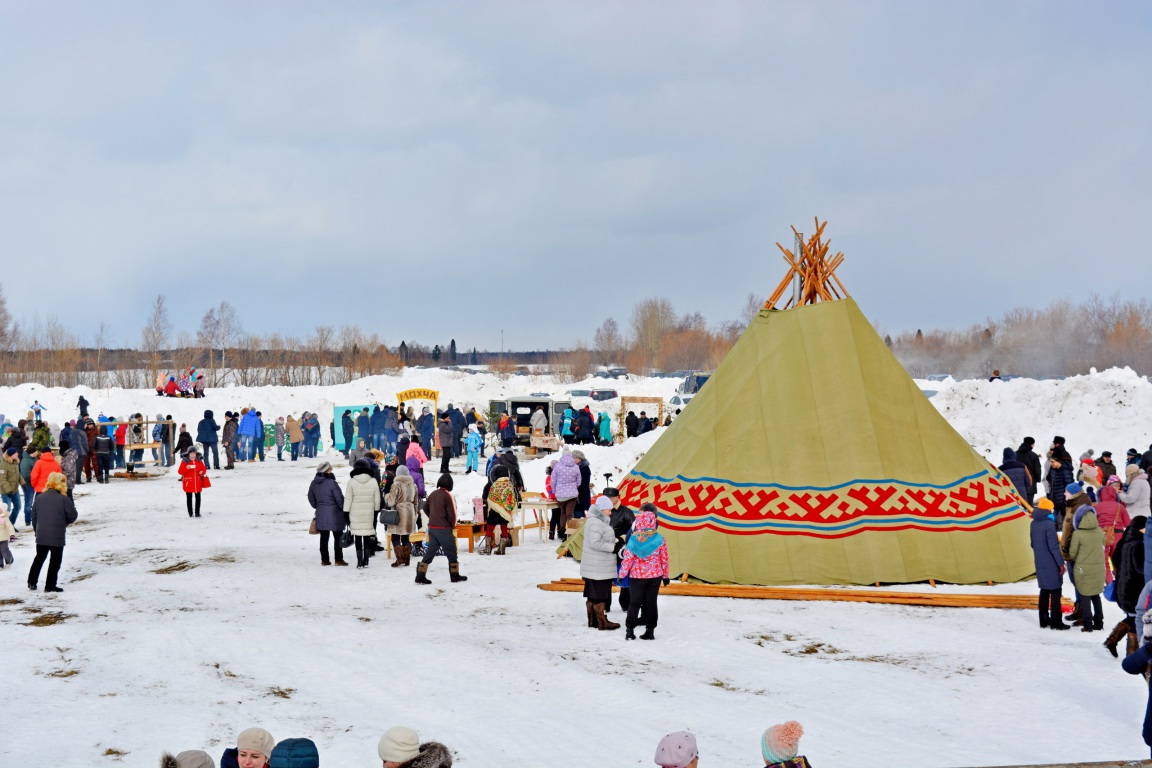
[{"x": 541, "y": 507}]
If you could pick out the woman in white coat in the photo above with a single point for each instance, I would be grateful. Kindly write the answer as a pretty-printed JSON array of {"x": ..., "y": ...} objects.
[
  {"x": 361, "y": 503},
  {"x": 598, "y": 563}
]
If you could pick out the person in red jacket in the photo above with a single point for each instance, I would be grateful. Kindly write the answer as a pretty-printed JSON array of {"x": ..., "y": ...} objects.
[
  {"x": 43, "y": 467},
  {"x": 121, "y": 435},
  {"x": 195, "y": 479}
]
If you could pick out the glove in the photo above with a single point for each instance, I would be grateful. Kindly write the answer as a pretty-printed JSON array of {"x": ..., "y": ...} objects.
[
  {"x": 1147, "y": 626},
  {"x": 666, "y": 581}
]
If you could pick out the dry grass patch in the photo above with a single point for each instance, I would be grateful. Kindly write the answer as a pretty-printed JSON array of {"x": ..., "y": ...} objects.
[
  {"x": 49, "y": 619},
  {"x": 183, "y": 565}
]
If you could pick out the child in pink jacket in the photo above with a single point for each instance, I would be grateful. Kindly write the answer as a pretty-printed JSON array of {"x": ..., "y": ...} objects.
[{"x": 645, "y": 564}]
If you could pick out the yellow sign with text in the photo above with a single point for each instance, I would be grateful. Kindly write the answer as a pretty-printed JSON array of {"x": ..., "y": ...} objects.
[{"x": 418, "y": 394}]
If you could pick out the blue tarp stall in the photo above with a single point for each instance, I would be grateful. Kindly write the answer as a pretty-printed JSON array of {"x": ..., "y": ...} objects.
[{"x": 337, "y": 420}]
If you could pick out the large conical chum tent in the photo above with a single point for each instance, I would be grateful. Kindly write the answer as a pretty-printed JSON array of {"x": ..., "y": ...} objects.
[{"x": 811, "y": 457}]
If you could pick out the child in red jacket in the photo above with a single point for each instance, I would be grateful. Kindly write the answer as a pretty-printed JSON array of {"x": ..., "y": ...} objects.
[{"x": 195, "y": 479}]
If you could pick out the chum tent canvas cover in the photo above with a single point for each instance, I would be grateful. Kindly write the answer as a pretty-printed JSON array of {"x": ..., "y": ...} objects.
[{"x": 811, "y": 457}]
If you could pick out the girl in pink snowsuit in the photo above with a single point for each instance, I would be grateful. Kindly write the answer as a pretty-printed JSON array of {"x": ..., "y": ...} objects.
[{"x": 645, "y": 564}]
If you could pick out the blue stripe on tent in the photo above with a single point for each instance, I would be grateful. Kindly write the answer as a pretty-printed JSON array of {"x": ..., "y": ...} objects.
[
  {"x": 681, "y": 478},
  {"x": 857, "y": 523}
]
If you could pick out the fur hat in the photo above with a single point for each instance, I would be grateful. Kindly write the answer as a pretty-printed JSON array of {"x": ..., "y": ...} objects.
[
  {"x": 781, "y": 742},
  {"x": 676, "y": 750},
  {"x": 402, "y": 471},
  {"x": 399, "y": 745},
  {"x": 257, "y": 740},
  {"x": 1132, "y": 470},
  {"x": 190, "y": 758},
  {"x": 323, "y": 469}
]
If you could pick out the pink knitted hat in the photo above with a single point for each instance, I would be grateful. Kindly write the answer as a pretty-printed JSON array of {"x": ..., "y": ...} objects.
[{"x": 781, "y": 742}]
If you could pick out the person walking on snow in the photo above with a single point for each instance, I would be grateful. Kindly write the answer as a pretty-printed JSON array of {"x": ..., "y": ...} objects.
[
  {"x": 441, "y": 509},
  {"x": 361, "y": 503},
  {"x": 403, "y": 496},
  {"x": 445, "y": 434},
  {"x": 499, "y": 499},
  {"x": 52, "y": 513},
  {"x": 194, "y": 476},
  {"x": 206, "y": 435},
  {"x": 473, "y": 442}
]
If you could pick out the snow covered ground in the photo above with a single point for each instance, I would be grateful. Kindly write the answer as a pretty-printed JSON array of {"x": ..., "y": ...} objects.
[{"x": 177, "y": 633}]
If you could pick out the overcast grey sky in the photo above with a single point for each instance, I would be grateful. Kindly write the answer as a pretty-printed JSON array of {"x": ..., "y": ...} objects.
[{"x": 433, "y": 170}]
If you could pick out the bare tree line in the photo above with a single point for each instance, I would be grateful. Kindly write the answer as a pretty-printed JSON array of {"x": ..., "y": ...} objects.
[
  {"x": 1062, "y": 339},
  {"x": 1059, "y": 340}
]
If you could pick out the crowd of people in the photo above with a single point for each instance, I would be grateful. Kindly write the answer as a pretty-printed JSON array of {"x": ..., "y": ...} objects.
[
  {"x": 1090, "y": 523},
  {"x": 401, "y": 747}
]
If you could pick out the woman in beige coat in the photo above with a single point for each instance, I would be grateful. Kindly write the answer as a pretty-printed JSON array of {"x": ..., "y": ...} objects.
[
  {"x": 295, "y": 436},
  {"x": 402, "y": 498}
]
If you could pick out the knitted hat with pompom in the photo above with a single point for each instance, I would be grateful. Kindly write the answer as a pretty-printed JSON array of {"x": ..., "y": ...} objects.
[{"x": 781, "y": 742}]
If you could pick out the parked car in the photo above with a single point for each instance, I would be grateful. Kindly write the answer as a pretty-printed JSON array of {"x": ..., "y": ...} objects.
[
  {"x": 693, "y": 382},
  {"x": 679, "y": 402},
  {"x": 939, "y": 376},
  {"x": 603, "y": 394},
  {"x": 579, "y": 393}
]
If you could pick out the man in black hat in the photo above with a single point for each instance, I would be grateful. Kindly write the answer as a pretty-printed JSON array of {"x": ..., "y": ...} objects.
[
  {"x": 621, "y": 521},
  {"x": 1027, "y": 456},
  {"x": 1133, "y": 457},
  {"x": 1107, "y": 468},
  {"x": 348, "y": 428}
]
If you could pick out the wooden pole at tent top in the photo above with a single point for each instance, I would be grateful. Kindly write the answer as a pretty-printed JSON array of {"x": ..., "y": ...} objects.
[{"x": 816, "y": 270}]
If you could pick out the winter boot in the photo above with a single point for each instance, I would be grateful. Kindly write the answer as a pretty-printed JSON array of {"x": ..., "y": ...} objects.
[
  {"x": 649, "y": 633},
  {"x": 422, "y": 573},
  {"x": 407, "y": 555},
  {"x": 1132, "y": 644},
  {"x": 454, "y": 572},
  {"x": 398, "y": 550},
  {"x": 500, "y": 546},
  {"x": 629, "y": 633},
  {"x": 1074, "y": 616},
  {"x": 602, "y": 622},
  {"x": 591, "y": 614},
  {"x": 1118, "y": 632}
]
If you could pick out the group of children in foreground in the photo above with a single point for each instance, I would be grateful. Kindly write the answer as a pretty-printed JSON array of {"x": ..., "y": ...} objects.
[{"x": 401, "y": 747}]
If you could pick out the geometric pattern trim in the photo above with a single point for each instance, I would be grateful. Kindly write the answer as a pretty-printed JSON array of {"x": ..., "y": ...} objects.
[{"x": 972, "y": 503}]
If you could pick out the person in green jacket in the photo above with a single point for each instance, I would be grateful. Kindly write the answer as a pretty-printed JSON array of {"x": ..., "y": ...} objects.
[{"x": 1087, "y": 553}]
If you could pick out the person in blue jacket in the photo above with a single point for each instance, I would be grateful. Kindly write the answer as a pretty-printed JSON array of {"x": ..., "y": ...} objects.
[
  {"x": 473, "y": 442},
  {"x": 426, "y": 426},
  {"x": 206, "y": 435},
  {"x": 246, "y": 431},
  {"x": 567, "y": 431},
  {"x": 1049, "y": 565},
  {"x": 376, "y": 427},
  {"x": 364, "y": 427},
  {"x": 348, "y": 428}
]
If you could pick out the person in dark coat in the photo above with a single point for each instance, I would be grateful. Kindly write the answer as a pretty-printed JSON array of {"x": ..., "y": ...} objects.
[
  {"x": 631, "y": 424},
  {"x": 1135, "y": 664},
  {"x": 1146, "y": 460},
  {"x": 445, "y": 434},
  {"x": 1049, "y": 565},
  {"x": 1128, "y": 565},
  {"x": 52, "y": 513},
  {"x": 1026, "y": 455},
  {"x": 1017, "y": 473},
  {"x": 621, "y": 521},
  {"x": 426, "y": 426},
  {"x": 206, "y": 435},
  {"x": 364, "y": 427},
  {"x": 348, "y": 430},
  {"x": 584, "y": 492},
  {"x": 327, "y": 499},
  {"x": 82, "y": 404},
  {"x": 1106, "y": 467},
  {"x": 456, "y": 417},
  {"x": 1061, "y": 474}
]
